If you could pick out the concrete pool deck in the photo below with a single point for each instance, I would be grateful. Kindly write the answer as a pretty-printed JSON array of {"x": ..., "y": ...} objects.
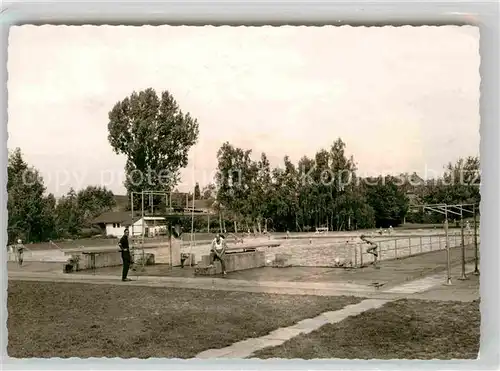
[{"x": 294, "y": 280}]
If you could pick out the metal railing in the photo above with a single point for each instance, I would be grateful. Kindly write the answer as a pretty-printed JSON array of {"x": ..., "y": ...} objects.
[{"x": 399, "y": 247}]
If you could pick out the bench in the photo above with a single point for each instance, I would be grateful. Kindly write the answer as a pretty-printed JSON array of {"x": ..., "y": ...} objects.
[
  {"x": 235, "y": 261},
  {"x": 235, "y": 250},
  {"x": 321, "y": 229}
]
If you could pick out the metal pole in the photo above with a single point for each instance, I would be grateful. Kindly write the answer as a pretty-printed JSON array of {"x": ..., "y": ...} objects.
[
  {"x": 132, "y": 212},
  {"x": 170, "y": 244},
  {"x": 462, "y": 245},
  {"x": 447, "y": 244},
  {"x": 355, "y": 255},
  {"x": 142, "y": 215},
  {"x": 361, "y": 255},
  {"x": 476, "y": 252},
  {"x": 192, "y": 223}
]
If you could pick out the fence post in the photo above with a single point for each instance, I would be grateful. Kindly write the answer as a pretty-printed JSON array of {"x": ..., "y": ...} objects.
[
  {"x": 430, "y": 243},
  {"x": 409, "y": 245},
  {"x": 420, "y": 244},
  {"x": 360, "y": 255},
  {"x": 396, "y": 249},
  {"x": 462, "y": 245},
  {"x": 476, "y": 255},
  {"x": 356, "y": 255},
  {"x": 447, "y": 241}
]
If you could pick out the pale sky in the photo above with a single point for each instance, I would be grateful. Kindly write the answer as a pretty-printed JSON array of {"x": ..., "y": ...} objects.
[{"x": 402, "y": 98}]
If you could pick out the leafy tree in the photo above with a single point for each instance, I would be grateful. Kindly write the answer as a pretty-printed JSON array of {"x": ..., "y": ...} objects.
[
  {"x": 462, "y": 181},
  {"x": 387, "y": 200},
  {"x": 155, "y": 135},
  {"x": 346, "y": 196},
  {"x": 459, "y": 183},
  {"x": 94, "y": 200},
  {"x": 69, "y": 217},
  {"x": 235, "y": 174},
  {"x": 209, "y": 192},
  {"x": 29, "y": 211},
  {"x": 325, "y": 190},
  {"x": 260, "y": 191},
  {"x": 197, "y": 191}
]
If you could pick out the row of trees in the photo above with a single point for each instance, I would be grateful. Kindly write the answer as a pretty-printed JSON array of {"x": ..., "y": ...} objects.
[
  {"x": 327, "y": 191},
  {"x": 35, "y": 216}
]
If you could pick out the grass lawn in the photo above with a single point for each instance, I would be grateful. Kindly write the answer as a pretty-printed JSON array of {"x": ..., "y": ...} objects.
[
  {"x": 82, "y": 320},
  {"x": 410, "y": 329}
]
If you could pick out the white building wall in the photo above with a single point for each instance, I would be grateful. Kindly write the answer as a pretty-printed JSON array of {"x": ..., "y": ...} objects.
[
  {"x": 153, "y": 230},
  {"x": 113, "y": 229}
]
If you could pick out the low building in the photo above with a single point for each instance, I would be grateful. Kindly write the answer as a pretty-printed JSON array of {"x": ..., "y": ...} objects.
[{"x": 113, "y": 223}]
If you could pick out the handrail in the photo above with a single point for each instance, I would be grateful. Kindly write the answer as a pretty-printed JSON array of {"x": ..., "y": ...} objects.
[
  {"x": 455, "y": 243},
  {"x": 417, "y": 236}
]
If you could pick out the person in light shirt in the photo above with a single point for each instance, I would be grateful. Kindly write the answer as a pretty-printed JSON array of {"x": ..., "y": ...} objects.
[
  {"x": 20, "y": 252},
  {"x": 217, "y": 252}
]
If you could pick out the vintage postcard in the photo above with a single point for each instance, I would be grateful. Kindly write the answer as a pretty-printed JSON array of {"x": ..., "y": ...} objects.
[{"x": 243, "y": 192}]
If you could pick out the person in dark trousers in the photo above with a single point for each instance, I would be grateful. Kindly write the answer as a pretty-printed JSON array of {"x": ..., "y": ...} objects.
[
  {"x": 372, "y": 249},
  {"x": 217, "y": 252},
  {"x": 126, "y": 258}
]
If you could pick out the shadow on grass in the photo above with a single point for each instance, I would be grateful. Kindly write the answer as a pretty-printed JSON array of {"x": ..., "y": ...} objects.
[{"x": 83, "y": 320}]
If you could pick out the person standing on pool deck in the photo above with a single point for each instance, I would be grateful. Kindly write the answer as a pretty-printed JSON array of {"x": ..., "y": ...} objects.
[
  {"x": 125, "y": 250},
  {"x": 20, "y": 252},
  {"x": 217, "y": 252}
]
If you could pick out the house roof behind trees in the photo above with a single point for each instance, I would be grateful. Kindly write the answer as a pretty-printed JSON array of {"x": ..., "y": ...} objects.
[
  {"x": 201, "y": 204},
  {"x": 122, "y": 217}
]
